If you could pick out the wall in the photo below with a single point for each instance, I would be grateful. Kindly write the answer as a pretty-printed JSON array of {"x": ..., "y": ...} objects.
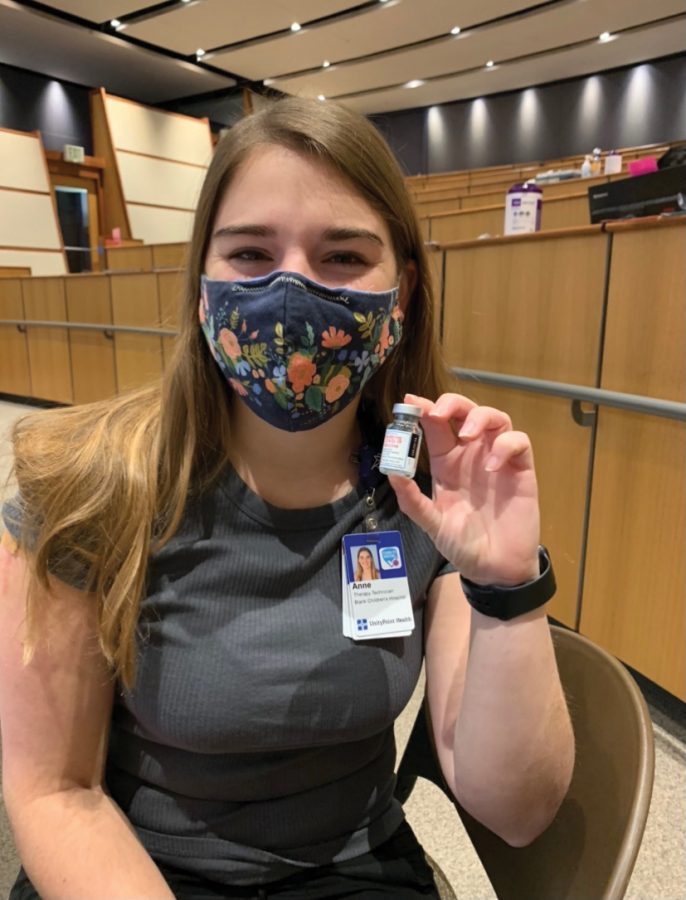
[
  {"x": 627, "y": 107},
  {"x": 640, "y": 104},
  {"x": 58, "y": 109}
]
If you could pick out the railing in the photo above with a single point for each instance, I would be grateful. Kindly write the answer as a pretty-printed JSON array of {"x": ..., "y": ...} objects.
[
  {"x": 108, "y": 330},
  {"x": 578, "y": 393}
]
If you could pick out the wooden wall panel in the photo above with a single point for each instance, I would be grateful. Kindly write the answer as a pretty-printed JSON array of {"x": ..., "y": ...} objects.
[
  {"x": 116, "y": 215},
  {"x": 561, "y": 452},
  {"x": 467, "y": 225},
  {"x": 14, "y": 271},
  {"x": 170, "y": 290},
  {"x": 565, "y": 212},
  {"x": 49, "y": 355},
  {"x": 15, "y": 375},
  {"x": 633, "y": 602},
  {"x": 92, "y": 353},
  {"x": 528, "y": 307},
  {"x": 129, "y": 258},
  {"x": 138, "y": 356},
  {"x": 473, "y": 201},
  {"x": 646, "y": 317},
  {"x": 169, "y": 256},
  {"x": 452, "y": 204}
]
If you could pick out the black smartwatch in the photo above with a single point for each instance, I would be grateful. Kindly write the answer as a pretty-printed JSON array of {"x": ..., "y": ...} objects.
[{"x": 509, "y": 602}]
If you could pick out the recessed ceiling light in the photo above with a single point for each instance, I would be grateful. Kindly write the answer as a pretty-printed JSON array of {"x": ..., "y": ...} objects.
[
  {"x": 326, "y": 64},
  {"x": 267, "y": 81},
  {"x": 455, "y": 30},
  {"x": 185, "y": 1},
  {"x": 490, "y": 64},
  {"x": 199, "y": 53},
  {"x": 605, "y": 37},
  {"x": 116, "y": 24},
  {"x": 321, "y": 97},
  {"x": 296, "y": 26},
  {"x": 417, "y": 82}
]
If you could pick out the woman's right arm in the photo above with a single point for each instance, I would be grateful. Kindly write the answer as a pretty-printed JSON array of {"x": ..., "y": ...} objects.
[{"x": 73, "y": 840}]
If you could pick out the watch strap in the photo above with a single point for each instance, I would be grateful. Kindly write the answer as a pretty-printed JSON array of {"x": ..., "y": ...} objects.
[{"x": 509, "y": 602}]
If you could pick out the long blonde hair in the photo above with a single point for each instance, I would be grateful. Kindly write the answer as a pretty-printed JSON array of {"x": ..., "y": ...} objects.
[
  {"x": 104, "y": 485},
  {"x": 358, "y": 571}
]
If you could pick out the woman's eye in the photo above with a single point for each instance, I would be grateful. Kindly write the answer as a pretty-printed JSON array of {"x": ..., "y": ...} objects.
[
  {"x": 347, "y": 259},
  {"x": 248, "y": 255}
]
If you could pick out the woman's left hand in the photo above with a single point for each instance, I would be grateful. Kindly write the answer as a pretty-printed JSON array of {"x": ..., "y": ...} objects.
[{"x": 484, "y": 515}]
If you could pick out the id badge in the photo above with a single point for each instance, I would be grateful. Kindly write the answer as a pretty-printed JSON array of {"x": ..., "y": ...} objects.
[{"x": 376, "y": 592}]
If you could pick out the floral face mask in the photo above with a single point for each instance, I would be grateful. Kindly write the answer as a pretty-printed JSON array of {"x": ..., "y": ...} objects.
[{"x": 295, "y": 351}]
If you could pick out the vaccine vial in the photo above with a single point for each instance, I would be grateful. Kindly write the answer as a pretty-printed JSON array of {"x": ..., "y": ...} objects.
[{"x": 402, "y": 441}]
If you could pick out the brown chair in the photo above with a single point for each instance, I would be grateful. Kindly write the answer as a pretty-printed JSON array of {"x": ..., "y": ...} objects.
[{"x": 589, "y": 851}]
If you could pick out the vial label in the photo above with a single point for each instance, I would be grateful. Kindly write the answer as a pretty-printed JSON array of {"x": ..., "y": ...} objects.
[{"x": 399, "y": 454}]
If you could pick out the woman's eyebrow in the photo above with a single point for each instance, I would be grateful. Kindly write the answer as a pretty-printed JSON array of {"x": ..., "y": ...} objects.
[
  {"x": 245, "y": 228},
  {"x": 351, "y": 234},
  {"x": 330, "y": 234}
]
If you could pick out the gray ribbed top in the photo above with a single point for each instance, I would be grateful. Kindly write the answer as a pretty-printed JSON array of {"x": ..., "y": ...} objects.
[{"x": 258, "y": 740}]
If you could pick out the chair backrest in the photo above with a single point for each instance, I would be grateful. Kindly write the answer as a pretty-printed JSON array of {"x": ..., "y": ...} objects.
[{"x": 589, "y": 851}]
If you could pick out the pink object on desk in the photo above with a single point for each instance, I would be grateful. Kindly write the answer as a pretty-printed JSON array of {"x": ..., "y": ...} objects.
[{"x": 643, "y": 166}]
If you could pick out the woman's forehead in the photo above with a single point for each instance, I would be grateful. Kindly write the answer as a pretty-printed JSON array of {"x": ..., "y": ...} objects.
[{"x": 275, "y": 180}]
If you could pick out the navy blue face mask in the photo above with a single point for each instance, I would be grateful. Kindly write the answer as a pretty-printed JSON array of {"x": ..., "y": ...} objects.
[{"x": 297, "y": 352}]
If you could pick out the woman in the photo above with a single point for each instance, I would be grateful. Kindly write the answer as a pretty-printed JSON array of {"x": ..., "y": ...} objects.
[
  {"x": 189, "y": 719},
  {"x": 366, "y": 568}
]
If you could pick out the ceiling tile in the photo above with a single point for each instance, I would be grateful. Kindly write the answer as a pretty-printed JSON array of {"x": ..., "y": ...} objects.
[
  {"x": 213, "y": 23},
  {"x": 97, "y": 10},
  {"x": 547, "y": 29},
  {"x": 381, "y": 28},
  {"x": 649, "y": 43}
]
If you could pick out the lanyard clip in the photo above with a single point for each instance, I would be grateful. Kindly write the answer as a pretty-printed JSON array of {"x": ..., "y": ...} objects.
[{"x": 371, "y": 521}]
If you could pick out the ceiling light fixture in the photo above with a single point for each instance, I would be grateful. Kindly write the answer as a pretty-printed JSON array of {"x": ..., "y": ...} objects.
[
  {"x": 267, "y": 81},
  {"x": 490, "y": 64},
  {"x": 455, "y": 30},
  {"x": 321, "y": 97},
  {"x": 605, "y": 37},
  {"x": 326, "y": 64},
  {"x": 296, "y": 26},
  {"x": 199, "y": 53},
  {"x": 417, "y": 82},
  {"x": 116, "y": 24}
]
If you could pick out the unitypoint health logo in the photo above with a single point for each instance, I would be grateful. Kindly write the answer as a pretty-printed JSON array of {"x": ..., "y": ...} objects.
[{"x": 362, "y": 625}]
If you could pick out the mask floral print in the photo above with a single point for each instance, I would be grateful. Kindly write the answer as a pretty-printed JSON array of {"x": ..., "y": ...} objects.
[{"x": 297, "y": 352}]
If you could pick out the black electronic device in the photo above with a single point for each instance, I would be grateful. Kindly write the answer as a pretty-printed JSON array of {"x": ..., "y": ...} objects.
[{"x": 653, "y": 194}]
